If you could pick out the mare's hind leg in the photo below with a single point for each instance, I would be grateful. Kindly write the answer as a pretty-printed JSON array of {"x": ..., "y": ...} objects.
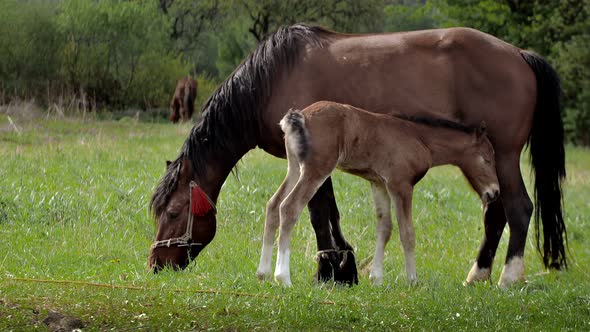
[
  {"x": 289, "y": 212},
  {"x": 518, "y": 209},
  {"x": 402, "y": 199},
  {"x": 272, "y": 220},
  {"x": 494, "y": 222},
  {"x": 383, "y": 210},
  {"x": 325, "y": 220}
]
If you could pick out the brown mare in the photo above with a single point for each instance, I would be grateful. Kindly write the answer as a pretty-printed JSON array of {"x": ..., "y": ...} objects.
[
  {"x": 391, "y": 153},
  {"x": 457, "y": 74},
  {"x": 182, "y": 105}
]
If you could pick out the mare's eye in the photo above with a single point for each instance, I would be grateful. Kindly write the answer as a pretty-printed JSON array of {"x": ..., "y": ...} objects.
[{"x": 172, "y": 214}]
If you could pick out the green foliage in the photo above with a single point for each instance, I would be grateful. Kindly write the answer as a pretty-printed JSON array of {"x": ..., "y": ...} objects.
[
  {"x": 118, "y": 52},
  {"x": 207, "y": 85},
  {"x": 573, "y": 63},
  {"x": 413, "y": 16},
  {"x": 234, "y": 45},
  {"x": 29, "y": 42}
]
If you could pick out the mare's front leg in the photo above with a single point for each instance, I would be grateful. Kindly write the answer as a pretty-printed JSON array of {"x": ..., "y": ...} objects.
[
  {"x": 401, "y": 195},
  {"x": 494, "y": 222},
  {"x": 383, "y": 210},
  {"x": 272, "y": 220},
  {"x": 289, "y": 212}
]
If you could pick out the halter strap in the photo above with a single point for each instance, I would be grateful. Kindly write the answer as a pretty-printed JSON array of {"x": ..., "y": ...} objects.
[{"x": 186, "y": 239}]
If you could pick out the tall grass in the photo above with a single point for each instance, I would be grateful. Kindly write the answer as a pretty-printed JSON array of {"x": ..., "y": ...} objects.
[{"x": 74, "y": 200}]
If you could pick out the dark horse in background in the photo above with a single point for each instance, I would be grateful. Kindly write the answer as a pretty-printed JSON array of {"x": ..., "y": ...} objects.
[
  {"x": 182, "y": 105},
  {"x": 457, "y": 74}
]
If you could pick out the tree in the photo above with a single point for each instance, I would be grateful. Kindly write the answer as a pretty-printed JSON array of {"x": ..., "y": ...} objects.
[
  {"x": 189, "y": 19},
  {"x": 343, "y": 15}
]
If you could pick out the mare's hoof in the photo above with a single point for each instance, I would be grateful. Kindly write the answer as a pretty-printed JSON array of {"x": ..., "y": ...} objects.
[
  {"x": 337, "y": 265},
  {"x": 512, "y": 273}
]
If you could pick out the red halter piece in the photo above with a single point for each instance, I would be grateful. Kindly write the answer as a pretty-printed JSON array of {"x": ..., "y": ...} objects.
[{"x": 201, "y": 204}]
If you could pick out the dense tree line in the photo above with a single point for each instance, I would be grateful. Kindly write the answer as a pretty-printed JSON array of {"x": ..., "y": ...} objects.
[{"x": 120, "y": 54}]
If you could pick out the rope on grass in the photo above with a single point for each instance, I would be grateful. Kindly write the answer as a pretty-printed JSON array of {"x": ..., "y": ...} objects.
[{"x": 201, "y": 291}]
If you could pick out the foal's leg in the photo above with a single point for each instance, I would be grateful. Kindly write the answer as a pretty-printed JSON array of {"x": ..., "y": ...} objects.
[
  {"x": 289, "y": 212},
  {"x": 383, "y": 210},
  {"x": 272, "y": 220},
  {"x": 402, "y": 199}
]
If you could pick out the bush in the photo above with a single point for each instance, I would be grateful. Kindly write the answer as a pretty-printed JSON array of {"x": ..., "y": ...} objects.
[
  {"x": 119, "y": 52},
  {"x": 29, "y": 44},
  {"x": 572, "y": 60}
]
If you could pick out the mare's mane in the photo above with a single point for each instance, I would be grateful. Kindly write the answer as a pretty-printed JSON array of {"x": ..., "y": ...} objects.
[{"x": 230, "y": 118}]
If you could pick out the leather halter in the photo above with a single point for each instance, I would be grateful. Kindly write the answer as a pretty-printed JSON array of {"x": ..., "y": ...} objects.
[{"x": 186, "y": 239}]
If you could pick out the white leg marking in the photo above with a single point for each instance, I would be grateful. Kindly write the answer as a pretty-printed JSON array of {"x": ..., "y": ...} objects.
[
  {"x": 264, "y": 267},
  {"x": 273, "y": 219},
  {"x": 282, "y": 273},
  {"x": 513, "y": 272},
  {"x": 478, "y": 274},
  {"x": 383, "y": 210},
  {"x": 289, "y": 212}
]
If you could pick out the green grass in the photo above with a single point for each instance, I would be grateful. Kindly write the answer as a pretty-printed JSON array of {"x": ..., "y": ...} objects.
[{"x": 74, "y": 199}]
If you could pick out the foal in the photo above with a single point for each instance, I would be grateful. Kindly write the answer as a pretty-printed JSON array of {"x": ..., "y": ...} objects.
[{"x": 391, "y": 153}]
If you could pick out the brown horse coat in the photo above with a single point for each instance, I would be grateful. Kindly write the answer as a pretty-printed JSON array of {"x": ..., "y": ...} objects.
[
  {"x": 182, "y": 105},
  {"x": 391, "y": 153}
]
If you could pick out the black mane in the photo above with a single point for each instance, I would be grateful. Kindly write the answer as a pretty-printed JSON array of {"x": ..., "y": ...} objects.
[
  {"x": 437, "y": 122},
  {"x": 230, "y": 118}
]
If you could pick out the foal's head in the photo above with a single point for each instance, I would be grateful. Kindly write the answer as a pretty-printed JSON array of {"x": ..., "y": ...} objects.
[{"x": 479, "y": 166}]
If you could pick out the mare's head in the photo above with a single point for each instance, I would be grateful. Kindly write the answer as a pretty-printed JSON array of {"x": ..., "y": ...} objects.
[
  {"x": 185, "y": 217},
  {"x": 478, "y": 164},
  {"x": 174, "y": 110}
]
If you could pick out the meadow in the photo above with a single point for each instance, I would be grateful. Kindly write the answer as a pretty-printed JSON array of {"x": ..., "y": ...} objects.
[{"x": 75, "y": 232}]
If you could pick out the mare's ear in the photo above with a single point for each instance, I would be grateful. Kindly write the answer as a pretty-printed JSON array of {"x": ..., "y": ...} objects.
[
  {"x": 168, "y": 162},
  {"x": 481, "y": 130}
]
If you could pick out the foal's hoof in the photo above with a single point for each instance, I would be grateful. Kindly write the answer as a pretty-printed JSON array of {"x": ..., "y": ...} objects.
[
  {"x": 376, "y": 280},
  {"x": 263, "y": 275},
  {"x": 283, "y": 280}
]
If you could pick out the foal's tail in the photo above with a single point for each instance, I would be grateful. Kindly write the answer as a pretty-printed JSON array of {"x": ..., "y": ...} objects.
[
  {"x": 296, "y": 135},
  {"x": 548, "y": 162}
]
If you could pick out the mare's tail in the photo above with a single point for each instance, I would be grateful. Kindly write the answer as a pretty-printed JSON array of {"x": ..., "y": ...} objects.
[
  {"x": 296, "y": 135},
  {"x": 548, "y": 162}
]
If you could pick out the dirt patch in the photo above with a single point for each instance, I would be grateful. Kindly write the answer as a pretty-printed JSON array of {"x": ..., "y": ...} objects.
[{"x": 58, "y": 322}]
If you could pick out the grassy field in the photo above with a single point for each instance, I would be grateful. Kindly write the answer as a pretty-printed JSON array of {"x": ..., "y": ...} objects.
[{"x": 74, "y": 198}]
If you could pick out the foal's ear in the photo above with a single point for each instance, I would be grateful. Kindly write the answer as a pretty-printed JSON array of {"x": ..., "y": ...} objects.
[{"x": 481, "y": 130}]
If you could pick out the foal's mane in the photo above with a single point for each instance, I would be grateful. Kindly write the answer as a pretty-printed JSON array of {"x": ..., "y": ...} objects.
[
  {"x": 230, "y": 118},
  {"x": 437, "y": 123}
]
